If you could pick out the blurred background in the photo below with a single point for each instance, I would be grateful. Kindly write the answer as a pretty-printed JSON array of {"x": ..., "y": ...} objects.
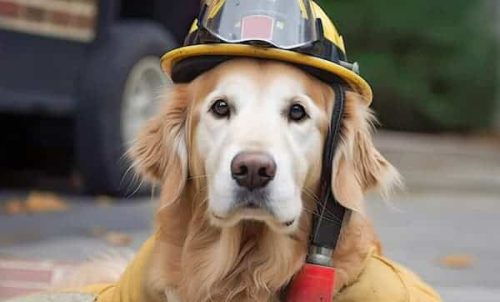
[{"x": 78, "y": 78}]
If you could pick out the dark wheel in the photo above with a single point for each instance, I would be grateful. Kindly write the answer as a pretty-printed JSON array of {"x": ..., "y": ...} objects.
[{"x": 118, "y": 94}]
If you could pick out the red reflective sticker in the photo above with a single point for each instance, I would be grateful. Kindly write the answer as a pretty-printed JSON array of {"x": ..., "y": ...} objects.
[{"x": 257, "y": 27}]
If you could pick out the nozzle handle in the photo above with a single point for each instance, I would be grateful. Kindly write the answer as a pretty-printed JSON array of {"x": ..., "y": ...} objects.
[{"x": 314, "y": 283}]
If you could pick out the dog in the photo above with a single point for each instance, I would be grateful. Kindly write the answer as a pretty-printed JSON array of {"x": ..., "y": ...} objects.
[{"x": 237, "y": 154}]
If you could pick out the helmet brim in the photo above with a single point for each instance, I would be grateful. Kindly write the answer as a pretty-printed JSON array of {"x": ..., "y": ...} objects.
[{"x": 354, "y": 81}]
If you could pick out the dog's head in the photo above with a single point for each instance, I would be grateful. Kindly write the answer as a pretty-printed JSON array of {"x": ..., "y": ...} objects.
[{"x": 251, "y": 134}]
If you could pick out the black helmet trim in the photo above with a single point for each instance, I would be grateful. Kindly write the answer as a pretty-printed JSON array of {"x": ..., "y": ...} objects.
[{"x": 188, "y": 69}]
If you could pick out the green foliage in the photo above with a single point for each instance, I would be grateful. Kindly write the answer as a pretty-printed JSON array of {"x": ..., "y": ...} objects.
[{"x": 431, "y": 63}]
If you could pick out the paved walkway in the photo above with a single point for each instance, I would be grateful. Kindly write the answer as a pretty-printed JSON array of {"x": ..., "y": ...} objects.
[
  {"x": 444, "y": 163},
  {"x": 451, "y": 206},
  {"x": 21, "y": 277}
]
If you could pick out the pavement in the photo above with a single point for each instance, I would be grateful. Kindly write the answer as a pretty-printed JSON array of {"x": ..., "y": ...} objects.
[{"x": 444, "y": 225}]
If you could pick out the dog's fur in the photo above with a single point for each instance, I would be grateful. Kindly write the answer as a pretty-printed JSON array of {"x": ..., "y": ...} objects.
[{"x": 248, "y": 257}]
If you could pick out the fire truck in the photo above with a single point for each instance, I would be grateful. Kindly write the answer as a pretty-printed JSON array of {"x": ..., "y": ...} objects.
[{"x": 93, "y": 64}]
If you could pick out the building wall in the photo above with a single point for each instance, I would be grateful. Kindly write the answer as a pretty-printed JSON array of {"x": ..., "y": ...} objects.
[{"x": 70, "y": 19}]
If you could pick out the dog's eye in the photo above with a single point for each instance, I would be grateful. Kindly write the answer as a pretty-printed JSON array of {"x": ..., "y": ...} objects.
[
  {"x": 297, "y": 113},
  {"x": 221, "y": 109}
]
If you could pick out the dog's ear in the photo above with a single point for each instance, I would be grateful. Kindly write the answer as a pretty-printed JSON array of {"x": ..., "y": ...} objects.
[
  {"x": 160, "y": 153},
  {"x": 358, "y": 165}
]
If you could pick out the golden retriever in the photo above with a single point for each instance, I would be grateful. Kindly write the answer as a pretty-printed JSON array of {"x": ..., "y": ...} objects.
[{"x": 237, "y": 154}]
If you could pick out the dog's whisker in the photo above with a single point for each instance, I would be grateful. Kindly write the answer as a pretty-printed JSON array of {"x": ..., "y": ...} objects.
[
  {"x": 327, "y": 211},
  {"x": 325, "y": 217},
  {"x": 328, "y": 215},
  {"x": 310, "y": 193},
  {"x": 316, "y": 199}
]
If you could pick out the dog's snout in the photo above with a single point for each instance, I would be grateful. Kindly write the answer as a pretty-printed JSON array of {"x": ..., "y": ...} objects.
[{"x": 253, "y": 170}]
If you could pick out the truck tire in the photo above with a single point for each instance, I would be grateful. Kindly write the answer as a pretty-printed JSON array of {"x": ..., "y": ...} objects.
[{"x": 117, "y": 93}]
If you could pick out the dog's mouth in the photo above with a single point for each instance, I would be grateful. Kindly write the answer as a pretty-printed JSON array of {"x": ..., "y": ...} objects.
[
  {"x": 252, "y": 212},
  {"x": 255, "y": 199},
  {"x": 257, "y": 205}
]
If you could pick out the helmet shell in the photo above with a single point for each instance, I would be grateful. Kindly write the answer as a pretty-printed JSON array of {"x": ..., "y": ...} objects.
[{"x": 185, "y": 63}]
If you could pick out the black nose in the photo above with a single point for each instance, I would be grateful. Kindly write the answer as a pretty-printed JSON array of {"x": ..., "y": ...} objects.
[{"x": 253, "y": 170}]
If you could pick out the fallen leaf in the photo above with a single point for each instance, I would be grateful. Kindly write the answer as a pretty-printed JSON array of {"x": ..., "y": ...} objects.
[
  {"x": 104, "y": 201},
  {"x": 38, "y": 202},
  {"x": 118, "y": 239},
  {"x": 14, "y": 207},
  {"x": 457, "y": 261}
]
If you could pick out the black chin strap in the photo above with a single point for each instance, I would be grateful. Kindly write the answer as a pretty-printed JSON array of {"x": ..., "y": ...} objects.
[{"x": 330, "y": 213}]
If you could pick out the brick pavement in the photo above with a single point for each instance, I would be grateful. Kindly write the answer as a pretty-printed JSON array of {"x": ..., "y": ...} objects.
[{"x": 21, "y": 277}]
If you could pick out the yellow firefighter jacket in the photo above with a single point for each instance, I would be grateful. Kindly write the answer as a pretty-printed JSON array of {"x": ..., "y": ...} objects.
[{"x": 381, "y": 281}]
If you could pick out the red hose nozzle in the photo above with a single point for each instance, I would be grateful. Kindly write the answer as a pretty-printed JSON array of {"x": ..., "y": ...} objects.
[{"x": 314, "y": 283}]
